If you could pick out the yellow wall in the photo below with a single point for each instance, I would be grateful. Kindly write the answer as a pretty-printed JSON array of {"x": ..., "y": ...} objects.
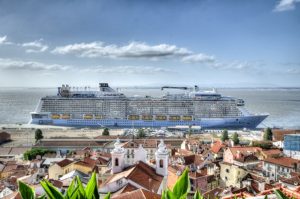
[{"x": 231, "y": 175}]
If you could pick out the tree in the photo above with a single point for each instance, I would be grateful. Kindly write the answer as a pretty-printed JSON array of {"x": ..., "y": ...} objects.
[
  {"x": 105, "y": 132},
  {"x": 141, "y": 133},
  {"x": 235, "y": 138},
  {"x": 31, "y": 154},
  {"x": 225, "y": 136},
  {"x": 38, "y": 135},
  {"x": 263, "y": 144},
  {"x": 268, "y": 134}
]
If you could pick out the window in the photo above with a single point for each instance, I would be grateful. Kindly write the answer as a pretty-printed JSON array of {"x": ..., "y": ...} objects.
[
  {"x": 116, "y": 162},
  {"x": 161, "y": 163},
  {"x": 227, "y": 170}
]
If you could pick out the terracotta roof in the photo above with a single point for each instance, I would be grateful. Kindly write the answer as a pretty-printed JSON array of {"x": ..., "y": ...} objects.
[
  {"x": 247, "y": 158},
  {"x": 142, "y": 174},
  {"x": 283, "y": 161},
  {"x": 64, "y": 162},
  {"x": 140, "y": 194},
  {"x": 192, "y": 159},
  {"x": 129, "y": 187},
  {"x": 271, "y": 153},
  {"x": 184, "y": 152},
  {"x": 217, "y": 146},
  {"x": 244, "y": 150},
  {"x": 146, "y": 176},
  {"x": 147, "y": 143},
  {"x": 278, "y": 134},
  {"x": 214, "y": 193}
]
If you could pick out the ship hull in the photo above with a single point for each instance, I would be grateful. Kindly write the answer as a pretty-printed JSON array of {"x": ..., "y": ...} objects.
[{"x": 249, "y": 122}]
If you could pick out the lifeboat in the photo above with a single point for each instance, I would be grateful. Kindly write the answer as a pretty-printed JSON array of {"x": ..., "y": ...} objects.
[
  {"x": 174, "y": 117},
  {"x": 133, "y": 117},
  {"x": 147, "y": 117},
  {"x": 66, "y": 116},
  {"x": 98, "y": 117},
  {"x": 161, "y": 117},
  {"x": 55, "y": 116},
  {"x": 187, "y": 118},
  {"x": 88, "y": 116}
]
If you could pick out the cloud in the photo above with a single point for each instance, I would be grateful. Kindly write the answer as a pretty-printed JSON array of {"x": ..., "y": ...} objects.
[
  {"x": 35, "y": 46},
  {"x": 19, "y": 65},
  {"x": 127, "y": 70},
  {"x": 294, "y": 71},
  {"x": 284, "y": 5},
  {"x": 132, "y": 50},
  {"x": 196, "y": 58},
  {"x": 3, "y": 39}
]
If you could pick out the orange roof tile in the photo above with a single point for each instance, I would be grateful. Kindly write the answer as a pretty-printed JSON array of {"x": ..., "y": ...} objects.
[
  {"x": 283, "y": 161},
  {"x": 140, "y": 194},
  {"x": 64, "y": 162}
]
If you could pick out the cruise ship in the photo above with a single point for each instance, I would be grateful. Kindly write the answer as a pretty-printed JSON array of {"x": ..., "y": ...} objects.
[{"x": 107, "y": 107}]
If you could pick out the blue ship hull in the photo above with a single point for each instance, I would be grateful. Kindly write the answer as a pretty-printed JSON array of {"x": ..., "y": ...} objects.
[{"x": 249, "y": 122}]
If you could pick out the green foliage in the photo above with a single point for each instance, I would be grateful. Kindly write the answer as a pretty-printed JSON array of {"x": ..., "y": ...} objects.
[
  {"x": 74, "y": 191},
  {"x": 38, "y": 134},
  {"x": 235, "y": 138},
  {"x": 141, "y": 133},
  {"x": 198, "y": 195},
  {"x": 262, "y": 144},
  {"x": 224, "y": 136},
  {"x": 51, "y": 191},
  {"x": 26, "y": 191},
  {"x": 31, "y": 154},
  {"x": 105, "y": 132},
  {"x": 268, "y": 134},
  {"x": 281, "y": 195}
]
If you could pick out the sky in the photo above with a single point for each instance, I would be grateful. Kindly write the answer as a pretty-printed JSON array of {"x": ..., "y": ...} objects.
[{"x": 210, "y": 43}]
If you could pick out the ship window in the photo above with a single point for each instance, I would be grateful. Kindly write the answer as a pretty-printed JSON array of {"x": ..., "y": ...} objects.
[
  {"x": 116, "y": 162},
  {"x": 161, "y": 163}
]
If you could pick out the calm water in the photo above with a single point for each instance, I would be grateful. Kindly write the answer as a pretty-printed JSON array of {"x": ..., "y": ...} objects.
[{"x": 283, "y": 105}]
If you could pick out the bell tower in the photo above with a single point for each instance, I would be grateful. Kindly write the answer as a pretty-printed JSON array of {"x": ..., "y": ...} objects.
[
  {"x": 117, "y": 157},
  {"x": 162, "y": 159}
]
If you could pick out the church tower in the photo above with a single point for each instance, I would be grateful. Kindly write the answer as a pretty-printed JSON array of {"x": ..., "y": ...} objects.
[
  {"x": 117, "y": 157},
  {"x": 161, "y": 159}
]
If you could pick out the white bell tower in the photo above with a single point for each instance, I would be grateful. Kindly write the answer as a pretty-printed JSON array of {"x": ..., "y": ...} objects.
[
  {"x": 162, "y": 159},
  {"x": 117, "y": 157}
]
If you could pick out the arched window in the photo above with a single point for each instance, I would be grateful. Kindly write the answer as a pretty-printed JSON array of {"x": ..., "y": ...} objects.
[
  {"x": 116, "y": 162},
  {"x": 161, "y": 163}
]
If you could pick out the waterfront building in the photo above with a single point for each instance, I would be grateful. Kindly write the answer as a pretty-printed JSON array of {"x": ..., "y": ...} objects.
[
  {"x": 274, "y": 168},
  {"x": 291, "y": 145}
]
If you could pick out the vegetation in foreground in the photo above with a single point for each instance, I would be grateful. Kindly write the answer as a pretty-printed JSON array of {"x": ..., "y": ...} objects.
[{"x": 77, "y": 191}]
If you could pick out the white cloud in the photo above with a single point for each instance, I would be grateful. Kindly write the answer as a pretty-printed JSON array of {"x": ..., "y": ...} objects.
[
  {"x": 35, "y": 46},
  {"x": 284, "y": 5},
  {"x": 17, "y": 65},
  {"x": 196, "y": 58},
  {"x": 20, "y": 65},
  {"x": 132, "y": 50},
  {"x": 3, "y": 39},
  {"x": 127, "y": 70},
  {"x": 294, "y": 71}
]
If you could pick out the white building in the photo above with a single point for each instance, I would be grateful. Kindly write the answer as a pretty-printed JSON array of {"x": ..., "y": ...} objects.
[{"x": 141, "y": 174}]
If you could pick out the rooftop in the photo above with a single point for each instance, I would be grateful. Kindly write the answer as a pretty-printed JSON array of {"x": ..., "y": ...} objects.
[{"x": 283, "y": 161}]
